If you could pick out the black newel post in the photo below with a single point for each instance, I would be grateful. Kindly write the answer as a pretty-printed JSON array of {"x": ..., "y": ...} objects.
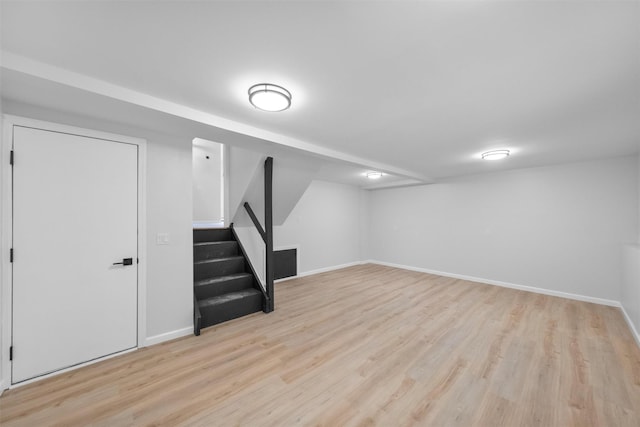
[{"x": 268, "y": 225}]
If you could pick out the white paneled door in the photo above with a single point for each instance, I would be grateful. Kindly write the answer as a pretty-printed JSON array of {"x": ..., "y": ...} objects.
[{"x": 75, "y": 219}]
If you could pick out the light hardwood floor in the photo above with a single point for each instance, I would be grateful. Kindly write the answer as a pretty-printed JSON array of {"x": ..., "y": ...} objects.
[{"x": 366, "y": 345}]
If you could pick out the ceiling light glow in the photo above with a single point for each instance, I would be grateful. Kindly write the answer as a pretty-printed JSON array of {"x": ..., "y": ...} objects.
[
  {"x": 374, "y": 175},
  {"x": 269, "y": 97},
  {"x": 495, "y": 154}
]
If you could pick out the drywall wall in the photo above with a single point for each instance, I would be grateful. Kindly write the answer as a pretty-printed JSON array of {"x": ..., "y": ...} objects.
[
  {"x": 631, "y": 277},
  {"x": 207, "y": 170},
  {"x": 169, "y": 267},
  {"x": 324, "y": 226},
  {"x": 244, "y": 166},
  {"x": 4, "y": 380},
  {"x": 559, "y": 228},
  {"x": 631, "y": 288},
  {"x": 291, "y": 179},
  {"x": 169, "y": 211},
  {"x": 364, "y": 224},
  {"x": 254, "y": 248}
]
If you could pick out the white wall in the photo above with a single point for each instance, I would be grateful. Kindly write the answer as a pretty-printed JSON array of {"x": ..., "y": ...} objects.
[
  {"x": 254, "y": 248},
  {"x": 207, "y": 182},
  {"x": 325, "y": 226},
  {"x": 365, "y": 220},
  {"x": 291, "y": 179},
  {"x": 559, "y": 228},
  {"x": 631, "y": 288},
  {"x": 3, "y": 381},
  {"x": 169, "y": 210},
  {"x": 244, "y": 166},
  {"x": 631, "y": 283}
]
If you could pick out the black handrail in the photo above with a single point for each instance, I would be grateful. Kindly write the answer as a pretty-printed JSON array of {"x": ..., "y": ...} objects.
[
  {"x": 267, "y": 232},
  {"x": 255, "y": 221}
]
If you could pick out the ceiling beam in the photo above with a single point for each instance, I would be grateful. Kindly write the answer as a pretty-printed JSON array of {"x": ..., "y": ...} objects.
[{"x": 22, "y": 64}]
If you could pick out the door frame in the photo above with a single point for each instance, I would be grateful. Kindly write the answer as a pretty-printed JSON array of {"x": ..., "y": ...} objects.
[{"x": 6, "y": 236}]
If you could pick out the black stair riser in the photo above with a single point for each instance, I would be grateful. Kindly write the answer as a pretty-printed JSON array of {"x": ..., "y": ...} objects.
[
  {"x": 215, "y": 250},
  {"x": 212, "y": 235},
  {"x": 215, "y": 289},
  {"x": 224, "y": 285},
  {"x": 214, "y": 314},
  {"x": 217, "y": 268}
]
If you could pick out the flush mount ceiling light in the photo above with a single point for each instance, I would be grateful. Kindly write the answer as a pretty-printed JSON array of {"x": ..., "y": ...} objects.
[
  {"x": 374, "y": 175},
  {"x": 495, "y": 155},
  {"x": 269, "y": 97}
]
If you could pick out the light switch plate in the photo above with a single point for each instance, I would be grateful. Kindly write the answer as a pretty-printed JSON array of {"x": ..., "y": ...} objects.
[{"x": 162, "y": 239}]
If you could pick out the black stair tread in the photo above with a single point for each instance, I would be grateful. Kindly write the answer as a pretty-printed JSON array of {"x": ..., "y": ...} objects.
[
  {"x": 221, "y": 242},
  {"x": 221, "y": 279},
  {"x": 231, "y": 296},
  {"x": 228, "y": 258}
]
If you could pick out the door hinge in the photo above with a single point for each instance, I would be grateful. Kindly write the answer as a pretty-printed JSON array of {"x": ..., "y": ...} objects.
[
  {"x": 11, "y": 255},
  {"x": 11, "y": 158},
  {"x": 137, "y": 260},
  {"x": 11, "y": 353}
]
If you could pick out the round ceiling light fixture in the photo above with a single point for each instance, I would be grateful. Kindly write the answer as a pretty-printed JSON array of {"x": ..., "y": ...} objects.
[
  {"x": 269, "y": 97},
  {"x": 495, "y": 155},
  {"x": 374, "y": 175}
]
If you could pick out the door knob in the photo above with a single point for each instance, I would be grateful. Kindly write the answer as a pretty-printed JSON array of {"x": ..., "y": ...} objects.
[{"x": 125, "y": 261}]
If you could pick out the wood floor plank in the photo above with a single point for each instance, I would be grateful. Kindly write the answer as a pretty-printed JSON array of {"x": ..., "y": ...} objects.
[{"x": 363, "y": 346}]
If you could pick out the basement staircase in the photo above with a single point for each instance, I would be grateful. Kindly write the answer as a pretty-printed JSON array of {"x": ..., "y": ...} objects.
[{"x": 224, "y": 285}]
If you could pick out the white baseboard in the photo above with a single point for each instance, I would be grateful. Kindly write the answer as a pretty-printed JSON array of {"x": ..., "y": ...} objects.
[
  {"x": 634, "y": 331},
  {"x": 71, "y": 368},
  {"x": 543, "y": 291},
  {"x": 168, "y": 336},
  {"x": 321, "y": 270}
]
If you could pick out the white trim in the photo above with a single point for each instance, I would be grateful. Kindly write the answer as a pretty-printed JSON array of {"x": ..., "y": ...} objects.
[
  {"x": 5, "y": 243},
  {"x": 71, "y": 368},
  {"x": 142, "y": 240},
  {"x": 168, "y": 336},
  {"x": 6, "y": 237},
  {"x": 533, "y": 289},
  {"x": 226, "y": 154},
  {"x": 223, "y": 184},
  {"x": 322, "y": 270},
  {"x": 31, "y": 67},
  {"x": 634, "y": 331}
]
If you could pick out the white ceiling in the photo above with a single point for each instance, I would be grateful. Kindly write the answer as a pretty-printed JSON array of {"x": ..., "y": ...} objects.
[{"x": 422, "y": 86}]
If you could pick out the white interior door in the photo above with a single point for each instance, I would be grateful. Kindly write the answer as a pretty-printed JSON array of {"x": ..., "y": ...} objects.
[{"x": 75, "y": 208}]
